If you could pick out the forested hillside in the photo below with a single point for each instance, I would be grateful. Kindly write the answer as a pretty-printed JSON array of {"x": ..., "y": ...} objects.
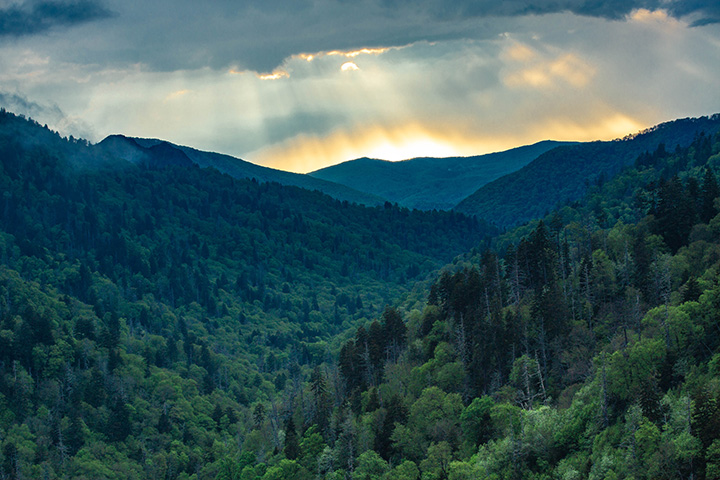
[
  {"x": 564, "y": 174},
  {"x": 587, "y": 346},
  {"x": 235, "y": 167},
  {"x": 431, "y": 183},
  {"x": 146, "y": 310},
  {"x": 176, "y": 323}
]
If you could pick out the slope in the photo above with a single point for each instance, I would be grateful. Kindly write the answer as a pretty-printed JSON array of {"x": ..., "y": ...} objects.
[
  {"x": 564, "y": 174},
  {"x": 589, "y": 349},
  {"x": 430, "y": 183},
  {"x": 238, "y": 168},
  {"x": 145, "y": 311}
]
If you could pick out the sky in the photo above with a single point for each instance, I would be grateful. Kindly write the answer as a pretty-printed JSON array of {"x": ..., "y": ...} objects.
[{"x": 302, "y": 84}]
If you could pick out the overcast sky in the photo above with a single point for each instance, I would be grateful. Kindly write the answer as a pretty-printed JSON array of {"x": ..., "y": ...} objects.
[{"x": 301, "y": 84}]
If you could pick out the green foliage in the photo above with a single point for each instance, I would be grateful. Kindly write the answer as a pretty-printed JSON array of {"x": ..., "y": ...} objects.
[
  {"x": 171, "y": 322},
  {"x": 430, "y": 183},
  {"x": 161, "y": 314},
  {"x": 475, "y": 420},
  {"x": 434, "y": 417},
  {"x": 370, "y": 466},
  {"x": 407, "y": 470},
  {"x": 565, "y": 174}
]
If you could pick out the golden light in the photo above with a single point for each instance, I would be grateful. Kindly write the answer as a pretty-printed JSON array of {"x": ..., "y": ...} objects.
[
  {"x": 177, "y": 94},
  {"x": 568, "y": 69},
  {"x": 520, "y": 53},
  {"x": 573, "y": 70},
  {"x": 349, "y": 67},
  {"x": 274, "y": 76},
  {"x": 363, "y": 51},
  {"x": 608, "y": 127},
  {"x": 341, "y": 53},
  {"x": 306, "y": 153},
  {"x": 650, "y": 16},
  {"x": 411, "y": 148}
]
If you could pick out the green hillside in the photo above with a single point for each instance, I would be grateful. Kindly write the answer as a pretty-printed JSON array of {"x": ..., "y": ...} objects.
[
  {"x": 430, "y": 183},
  {"x": 170, "y": 322},
  {"x": 563, "y": 174},
  {"x": 135, "y": 150},
  {"x": 146, "y": 310},
  {"x": 584, "y": 345}
]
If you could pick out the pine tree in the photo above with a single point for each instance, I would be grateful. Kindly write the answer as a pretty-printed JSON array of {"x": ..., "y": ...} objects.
[
  {"x": 292, "y": 445},
  {"x": 710, "y": 191}
]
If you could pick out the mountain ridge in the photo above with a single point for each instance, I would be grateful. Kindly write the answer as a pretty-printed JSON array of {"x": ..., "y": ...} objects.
[
  {"x": 563, "y": 174},
  {"x": 137, "y": 149},
  {"x": 430, "y": 183}
]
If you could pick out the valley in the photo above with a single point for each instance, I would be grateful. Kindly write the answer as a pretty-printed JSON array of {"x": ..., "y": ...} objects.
[{"x": 176, "y": 314}]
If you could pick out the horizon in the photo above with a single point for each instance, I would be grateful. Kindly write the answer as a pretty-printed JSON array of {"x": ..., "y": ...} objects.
[
  {"x": 627, "y": 135},
  {"x": 335, "y": 82}
]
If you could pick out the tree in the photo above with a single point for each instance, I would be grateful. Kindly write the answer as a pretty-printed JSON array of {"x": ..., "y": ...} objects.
[
  {"x": 311, "y": 446},
  {"x": 395, "y": 332},
  {"x": 292, "y": 446},
  {"x": 370, "y": 466},
  {"x": 407, "y": 470},
  {"x": 436, "y": 465},
  {"x": 321, "y": 398},
  {"x": 710, "y": 191},
  {"x": 712, "y": 467},
  {"x": 433, "y": 418},
  {"x": 476, "y": 422},
  {"x": 118, "y": 426},
  {"x": 287, "y": 470}
]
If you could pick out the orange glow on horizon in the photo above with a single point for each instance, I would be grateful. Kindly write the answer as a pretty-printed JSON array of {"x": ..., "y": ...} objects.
[{"x": 305, "y": 153}]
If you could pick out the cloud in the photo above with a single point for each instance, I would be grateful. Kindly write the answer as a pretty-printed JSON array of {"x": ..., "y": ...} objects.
[
  {"x": 32, "y": 18},
  {"x": 528, "y": 68},
  {"x": 259, "y": 35},
  {"x": 21, "y": 105},
  {"x": 498, "y": 76},
  {"x": 705, "y": 11},
  {"x": 46, "y": 114}
]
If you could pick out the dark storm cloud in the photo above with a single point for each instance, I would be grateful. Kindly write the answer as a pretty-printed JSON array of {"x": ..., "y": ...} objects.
[
  {"x": 706, "y": 10},
  {"x": 38, "y": 17},
  {"x": 258, "y": 35}
]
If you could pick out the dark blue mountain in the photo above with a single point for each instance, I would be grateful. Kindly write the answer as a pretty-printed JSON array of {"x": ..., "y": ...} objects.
[{"x": 430, "y": 183}]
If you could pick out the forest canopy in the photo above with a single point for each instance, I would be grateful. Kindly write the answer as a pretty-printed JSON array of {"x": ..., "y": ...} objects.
[{"x": 167, "y": 321}]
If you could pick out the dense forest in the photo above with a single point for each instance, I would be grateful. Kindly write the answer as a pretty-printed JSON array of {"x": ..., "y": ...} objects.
[
  {"x": 139, "y": 303},
  {"x": 175, "y": 323},
  {"x": 564, "y": 174},
  {"x": 584, "y": 345}
]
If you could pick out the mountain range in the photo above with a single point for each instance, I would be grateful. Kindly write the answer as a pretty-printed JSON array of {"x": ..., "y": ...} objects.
[
  {"x": 505, "y": 188},
  {"x": 431, "y": 183},
  {"x": 165, "y": 319}
]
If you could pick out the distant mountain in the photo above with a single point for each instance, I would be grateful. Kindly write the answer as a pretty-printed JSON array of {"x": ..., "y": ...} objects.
[
  {"x": 430, "y": 183},
  {"x": 137, "y": 150},
  {"x": 563, "y": 174}
]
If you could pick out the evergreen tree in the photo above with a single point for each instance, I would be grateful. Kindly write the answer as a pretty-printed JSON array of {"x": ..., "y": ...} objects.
[{"x": 710, "y": 191}]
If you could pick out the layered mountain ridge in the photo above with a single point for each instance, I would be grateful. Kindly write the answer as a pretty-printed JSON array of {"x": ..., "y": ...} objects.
[{"x": 431, "y": 183}]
